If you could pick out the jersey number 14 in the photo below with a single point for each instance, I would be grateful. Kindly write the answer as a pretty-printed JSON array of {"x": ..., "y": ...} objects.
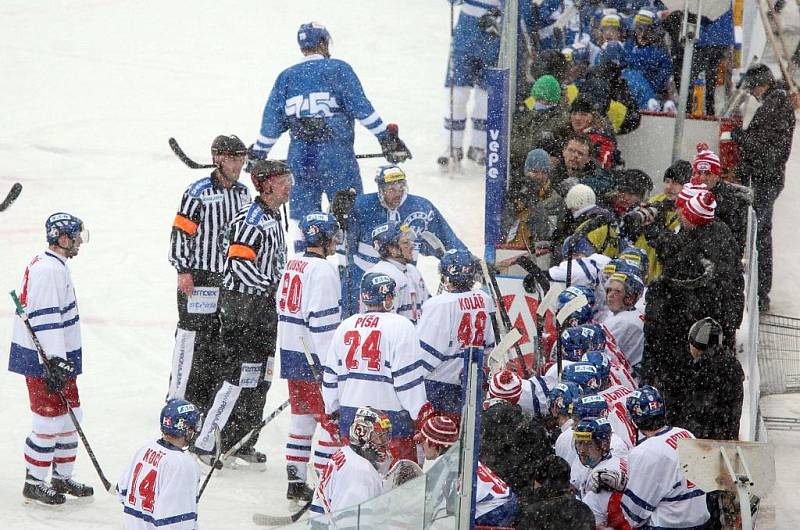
[{"x": 145, "y": 489}]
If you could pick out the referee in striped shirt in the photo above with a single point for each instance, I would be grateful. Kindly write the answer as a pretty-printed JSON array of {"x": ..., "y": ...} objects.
[
  {"x": 255, "y": 260},
  {"x": 207, "y": 208}
]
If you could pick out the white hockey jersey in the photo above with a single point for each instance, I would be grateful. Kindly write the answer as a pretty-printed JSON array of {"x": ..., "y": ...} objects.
[
  {"x": 658, "y": 495},
  {"x": 450, "y": 323},
  {"x": 348, "y": 480},
  {"x": 565, "y": 444},
  {"x": 628, "y": 330},
  {"x": 159, "y": 489},
  {"x": 534, "y": 397},
  {"x": 309, "y": 308},
  {"x": 373, "y": 361},
  {"x": 615, "y": 396},
  {"x": 48, "y": 295},
  {"x": 491, "y": 492},
  {"x": 410, "y": 290},
  {"x": 605, "y": 504}
]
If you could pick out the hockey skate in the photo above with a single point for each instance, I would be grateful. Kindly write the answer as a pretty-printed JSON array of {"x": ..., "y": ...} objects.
[
  {"x": 39, "y": 492},
  {"x": 207, "y": 458},
  {"x": 477, "y": 155},
  {"x": 447, "y": 163},
  {"x": 67, "y": 486},
  {"x": 248, "y": 459},
  {"x": 297, "y": 491}
]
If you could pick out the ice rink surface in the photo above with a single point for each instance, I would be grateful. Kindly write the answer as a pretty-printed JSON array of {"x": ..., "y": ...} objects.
[{"x": 91, "y": 91}]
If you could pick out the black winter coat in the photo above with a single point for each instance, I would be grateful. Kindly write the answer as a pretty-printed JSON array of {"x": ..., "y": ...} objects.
[
  {"x": 767, "y": 142},
  {"x": 713, "y": 406},
  {"x": 554, "y": 510},
  {"x": 732, "y": 203}
]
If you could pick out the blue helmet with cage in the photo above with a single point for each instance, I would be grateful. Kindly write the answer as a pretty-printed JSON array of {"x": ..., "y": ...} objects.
[
  {"x": 600, "y": 361},
  {"x": 582, "y": 315},
  {"x": 582, "y": 374},
  {"x": 578, "y": 340},
  {"x": 375, "y": 287},
  {"x": 645, "y": 406},
  {"x": 562, "y": 396},
  {"x": 180, "y": 418},
  {"x": 319, "y": 228},
  {"x": 311, "y": 35},
  {"x": 458, "y": 266},
  {"x": 62, "y": 224},
  {"x": 592, "y": 406},
  {"x": 582, "y": 245},
  {"x": 389, "y": 234}
]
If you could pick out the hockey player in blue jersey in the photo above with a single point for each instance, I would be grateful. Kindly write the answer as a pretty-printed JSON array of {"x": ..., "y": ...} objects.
[
  {"x": 318, "y": 100},
  {"x": 392, "y": 202}
]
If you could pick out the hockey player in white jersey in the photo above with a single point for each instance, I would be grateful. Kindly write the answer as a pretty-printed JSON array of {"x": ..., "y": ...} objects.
[
  {"x": 562, "y": 398},
  {"x": 495, "y": 503},
  {"x": 159, "y": 487},
  {"x": 452, "y": 322},
  {"x": 606, "y": 473},
  {"x": 351, "y": 475},
  {"x": 373, "y": 361},
  {"x": 615, "y": 395},
  {"x": 658, "y": 495},
  {"x": 394, "y": 243},
  {"x": 48, "y": 296},
  {"x": 624, "y": 320},
  {"x": 309, "y": 311}
]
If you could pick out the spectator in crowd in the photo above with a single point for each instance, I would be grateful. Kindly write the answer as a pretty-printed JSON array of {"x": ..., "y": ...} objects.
[
  {"x": 702, "y": 277},
  {"x": 552, "y": 505},
  {"x": 593, "y": 222},
  {"x": 578, "y": 167},
  {"x": 623, "y": 111},
  {"x": 534, "y": 128},
  {"x": 588, "y": 117},
  {"x": 648, "y": 54},
  {"x": 765, "y": 144},
  {"x": 732, "y": 200},
  {"x": 715, "y": 383},
  {"x": 631, "y": 188},
  {"x": 534, "y": 207}
]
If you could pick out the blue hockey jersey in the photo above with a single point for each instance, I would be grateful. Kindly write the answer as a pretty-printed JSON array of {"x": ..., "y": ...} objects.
[
  {"x": 653, "y": 62},
  {"x": 326, "y": 89}
]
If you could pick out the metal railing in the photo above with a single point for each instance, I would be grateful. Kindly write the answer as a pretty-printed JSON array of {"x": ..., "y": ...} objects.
[{"x": 779, "y": 354}]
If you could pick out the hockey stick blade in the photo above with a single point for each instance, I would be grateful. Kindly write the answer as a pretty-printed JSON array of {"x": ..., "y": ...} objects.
[
  {"x": 191, "y": 164},
  {"x": 238, "y": 445},
  {"x": 13, "y": 193},
  {"x": 570, "y": 307},
  {"x": 549, "y": 300},
  {"x": 263, "y": 519},
  {"x": 498, "y": 353}
]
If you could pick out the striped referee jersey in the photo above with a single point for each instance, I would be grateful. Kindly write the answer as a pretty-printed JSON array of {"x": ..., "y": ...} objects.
[
  {"x": 256, "y": 251},
  {"x": 198, "y": 231}
]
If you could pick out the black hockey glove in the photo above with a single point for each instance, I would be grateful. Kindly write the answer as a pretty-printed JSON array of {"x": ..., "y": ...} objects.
[
  {"x": 490, "y": 22},
  {"x": 59, "y": 372},
  {"x": 393, "y": 148},
  {"x": 342, "y": 205}
]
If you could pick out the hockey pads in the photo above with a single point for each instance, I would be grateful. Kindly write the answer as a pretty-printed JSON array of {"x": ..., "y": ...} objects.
[
  {"x": 401, "y": 472},
  {"x": 58, "y": 373},
  {"x": 606, "y": 479},
  {"x": 342, "y": 205},
  {"x": 393, "y": 148},
  {"x": 490, "y": 22},
  {"x": 425, "y": 412},
  {"x": 434, "y": 242},
  {"x": 253, "y": 156}
]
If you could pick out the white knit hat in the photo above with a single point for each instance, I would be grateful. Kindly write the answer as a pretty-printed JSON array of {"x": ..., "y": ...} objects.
[{"x": 580, "y": 196}]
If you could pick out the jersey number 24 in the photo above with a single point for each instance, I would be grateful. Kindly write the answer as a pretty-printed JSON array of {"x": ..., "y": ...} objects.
[{"x": 369, "y": 350}]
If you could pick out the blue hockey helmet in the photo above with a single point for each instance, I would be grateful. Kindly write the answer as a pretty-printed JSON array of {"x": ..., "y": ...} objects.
[
  {"x": 576, "y": 341},
  {"x": 626, "y": 266},
  {"x": 63, "y": 224},
  {"x": 582, "y": 246},
  {"x": 582, "y": 315},
  {"x": 458, "y": 265},
  {"x": 180, "y": 418},
  {"x": 375, "y": 287},
  {"x": 636, "y": 255},
  {"x": 632, "y": 282},
  {"x": 319, "y": 228},
  {"x": 600, "y": 361},
  {"x": 311, "y": 35},
  {"x": 595, "y": 430},
  {"x": 390, "y": 175},
  {"x": 389, "y": 234},
  {"x": 645, "y": 404},
  {"x": 592, "y": 406},
  {"x": 582, "y": 374},
  {"x": 562, "y": 396}
]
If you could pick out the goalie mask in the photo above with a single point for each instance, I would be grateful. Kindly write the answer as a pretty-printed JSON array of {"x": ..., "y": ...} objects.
[{"x": 370, "y": 434}]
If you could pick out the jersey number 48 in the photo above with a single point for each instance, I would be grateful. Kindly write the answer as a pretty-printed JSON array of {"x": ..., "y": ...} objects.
[{"x": 472, "y": 333}]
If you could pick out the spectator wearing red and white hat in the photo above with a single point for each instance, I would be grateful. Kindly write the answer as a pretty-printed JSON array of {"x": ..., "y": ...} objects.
[
  {"x": 504, "y": 386},
  {"x": 732, "y": 199},
  {"x": 496, "y": 504}
]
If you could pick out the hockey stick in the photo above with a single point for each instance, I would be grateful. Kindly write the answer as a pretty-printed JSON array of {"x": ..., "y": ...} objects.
[
  {"x": 13, "y": 193},
  {"x": 497, "y": 296},
  {"x": 238, "y": 445},
  {"x": 310, "y": 361},
  {"x": 569, "y": 308},
  {"x": 217, "y": 451},
  {"x": 46, "y": 363},
  {"x": 497, "y": 357},
  {"x": 263, "y": 519}
]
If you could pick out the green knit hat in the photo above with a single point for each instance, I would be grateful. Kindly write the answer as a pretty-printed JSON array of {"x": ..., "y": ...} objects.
[{"x": 546, "y": 88}]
